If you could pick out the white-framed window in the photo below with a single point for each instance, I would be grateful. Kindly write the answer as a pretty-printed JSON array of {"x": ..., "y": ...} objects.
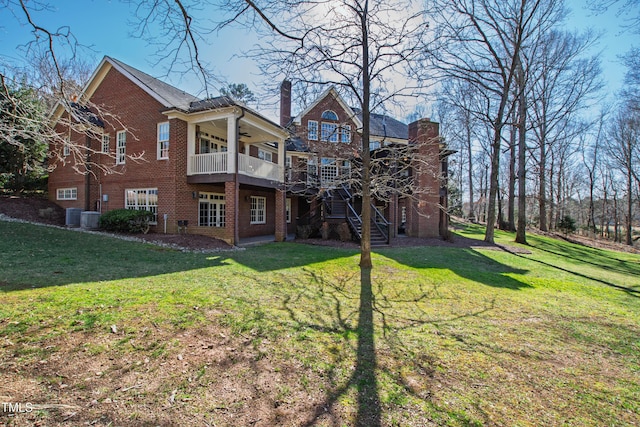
[
  {"x": 329, "y": 115},
  {"x": 212, "y": 210},
  {"x": 67, "y": 193},
  {"x": 258, "y": 210},
  {"x": 288, "y": 210},
  {"x": 329, "y": 132},
  {"x": 374, "y": 145},
  {"x": 121, "y": 147},
  {"x": 106, "y": 141},
  {"x": 403, "y": 214},
  {"x": 66, "y": 148},
  {"x": 163, "y": 140},
  {"x": 287, "y": 166},
  {"x": 332, "y": 169},
  {"x": 142, "y": 198},
  {"x": 346, "y": 134},
  {"x": 265, "y": 155},
  {"x": 312, "y": 171},
  {"x": 312, "y": 130}
]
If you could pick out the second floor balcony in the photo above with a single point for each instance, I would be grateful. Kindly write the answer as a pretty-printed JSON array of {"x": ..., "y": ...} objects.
[
  {"x": 218, "y": 163},
  {"x": 225, "y": 138}
]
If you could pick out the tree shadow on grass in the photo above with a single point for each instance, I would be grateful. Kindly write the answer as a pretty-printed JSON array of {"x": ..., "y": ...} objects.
[
  {"x": 588, "y": 255},
  {"x": 34, "y": 256},
  {"x": 334, "y": 313},
  {"x": 363, "y": 377},
  {"x": 631, "y": 291},
  {"x": 465, "y": 262}
]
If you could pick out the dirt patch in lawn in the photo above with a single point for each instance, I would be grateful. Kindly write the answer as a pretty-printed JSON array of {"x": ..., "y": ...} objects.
[{"x": 150, "y": 376}]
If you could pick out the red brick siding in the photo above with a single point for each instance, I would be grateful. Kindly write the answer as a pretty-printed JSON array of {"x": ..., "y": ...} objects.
[
  {"x": 423, "y": 214},
  {"x": 246, "y": 229},
  {"x": 330, "y": 149},
  {"x": 140, "y": 113}
]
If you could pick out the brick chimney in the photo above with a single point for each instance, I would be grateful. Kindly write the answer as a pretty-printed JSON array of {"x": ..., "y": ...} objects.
[
  {"x": 425, "y": 217},
  {"x": 285, "y": 102}
]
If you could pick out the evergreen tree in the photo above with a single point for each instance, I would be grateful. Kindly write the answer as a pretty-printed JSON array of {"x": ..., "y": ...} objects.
[{"x": 22, "y": 148}]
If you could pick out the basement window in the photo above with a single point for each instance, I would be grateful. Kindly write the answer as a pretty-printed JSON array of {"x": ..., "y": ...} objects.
[{"x": 67, "y": 193}]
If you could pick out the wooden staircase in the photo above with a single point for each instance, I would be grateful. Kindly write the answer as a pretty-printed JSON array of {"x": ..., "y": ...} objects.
[
  {"x": 339, "y": 207},
  {"x": 378, "y": 238}
]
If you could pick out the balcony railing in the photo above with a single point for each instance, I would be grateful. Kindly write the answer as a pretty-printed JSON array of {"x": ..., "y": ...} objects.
[
  {"x": 258, "y": 168},
  {"x": 208, "y": 163},
  {"x": 213, "y": 163}
]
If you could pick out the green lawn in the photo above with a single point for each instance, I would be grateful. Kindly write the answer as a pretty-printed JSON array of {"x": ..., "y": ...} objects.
[{"x": 283, "y": 334}]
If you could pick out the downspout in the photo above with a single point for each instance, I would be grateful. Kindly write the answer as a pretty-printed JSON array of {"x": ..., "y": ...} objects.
[
  {"x": 236, "y": 228},
  {"x": 87, "y": 177}
]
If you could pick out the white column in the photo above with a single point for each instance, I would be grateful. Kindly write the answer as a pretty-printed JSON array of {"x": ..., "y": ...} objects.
[
  {"x": 232, "y": 143},
  {"x": 282, "y": 160},
  {"x": 191, "y": 145}
]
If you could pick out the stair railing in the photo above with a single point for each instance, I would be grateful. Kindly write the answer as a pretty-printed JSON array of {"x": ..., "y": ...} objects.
[
  {"x": 381, "y": 222},
  {"x": 354, "y": 220}
]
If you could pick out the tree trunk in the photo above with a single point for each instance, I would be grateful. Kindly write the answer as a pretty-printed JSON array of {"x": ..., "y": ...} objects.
[
  {"x": 552, "y": 191},
  {"x": 542, "y": 191},
  {"x": 512, "y": 180},
  {"x": 629, "y": 240},
  {"x": 493, "y": 182},
  {"x": 521, "y": 236},
  {"x": 365, "y": 243},
  {"x": 501, "y": 221},
  {"x": 472, "y": 215}
]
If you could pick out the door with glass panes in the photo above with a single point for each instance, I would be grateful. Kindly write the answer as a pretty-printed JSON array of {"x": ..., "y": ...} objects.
[{"x": 211, "y": 210}]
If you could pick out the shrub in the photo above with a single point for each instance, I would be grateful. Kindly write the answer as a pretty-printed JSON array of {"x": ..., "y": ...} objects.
[
  {"x": 126, "y": 220},
  {"x": 306, "y": 231},
  {"x": 567, "y": 225}
]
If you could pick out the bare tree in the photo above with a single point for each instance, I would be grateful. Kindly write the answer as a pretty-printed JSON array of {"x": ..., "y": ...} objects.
[
  {"x": 630, "y": 9},
  {"x": 482, "y": 42},
  {"x": 462, "y": 111},
  {"x": 356, "y": 46},
  {"x": 563, "y": 84},
  {"x": 624, "y": 151},
  {"x": 631, "y": 91},
  {"x": 521, "y": 102},
  {"x": 57, "y": 74},
  {"x": 592, "y": 143}
]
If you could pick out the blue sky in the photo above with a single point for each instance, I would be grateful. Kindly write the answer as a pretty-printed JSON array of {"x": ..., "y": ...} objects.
[{"x": 104, "y": 26}]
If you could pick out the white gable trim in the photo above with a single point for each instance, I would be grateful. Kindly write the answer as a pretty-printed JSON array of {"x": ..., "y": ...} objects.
[
  {"x": 137, "y": 82},
  {"x": 331, "y": 91},
  {"x": 96, "y": 79}
]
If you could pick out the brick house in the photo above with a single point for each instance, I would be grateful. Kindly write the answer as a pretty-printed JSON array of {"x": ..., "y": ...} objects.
[
  {"x": 324, "y": 137},
  {"x": 214, "y": 164}
]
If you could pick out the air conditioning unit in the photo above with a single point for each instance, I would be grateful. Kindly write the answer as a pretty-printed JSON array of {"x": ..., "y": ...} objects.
[
  {"x": 89, "y": 219},
  {"x": 72, "y": 217}
]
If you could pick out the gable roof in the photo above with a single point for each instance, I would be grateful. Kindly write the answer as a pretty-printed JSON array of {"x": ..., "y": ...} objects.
[
  {"x": 380, "y": 125},
  {"x": 384, "y": 126},
  {"x": 330, "y": 91},
  {"x": 167, "y": 95}
]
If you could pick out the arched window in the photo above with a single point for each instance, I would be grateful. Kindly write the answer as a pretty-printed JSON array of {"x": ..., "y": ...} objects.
[{"x": 329, "y": 115}]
